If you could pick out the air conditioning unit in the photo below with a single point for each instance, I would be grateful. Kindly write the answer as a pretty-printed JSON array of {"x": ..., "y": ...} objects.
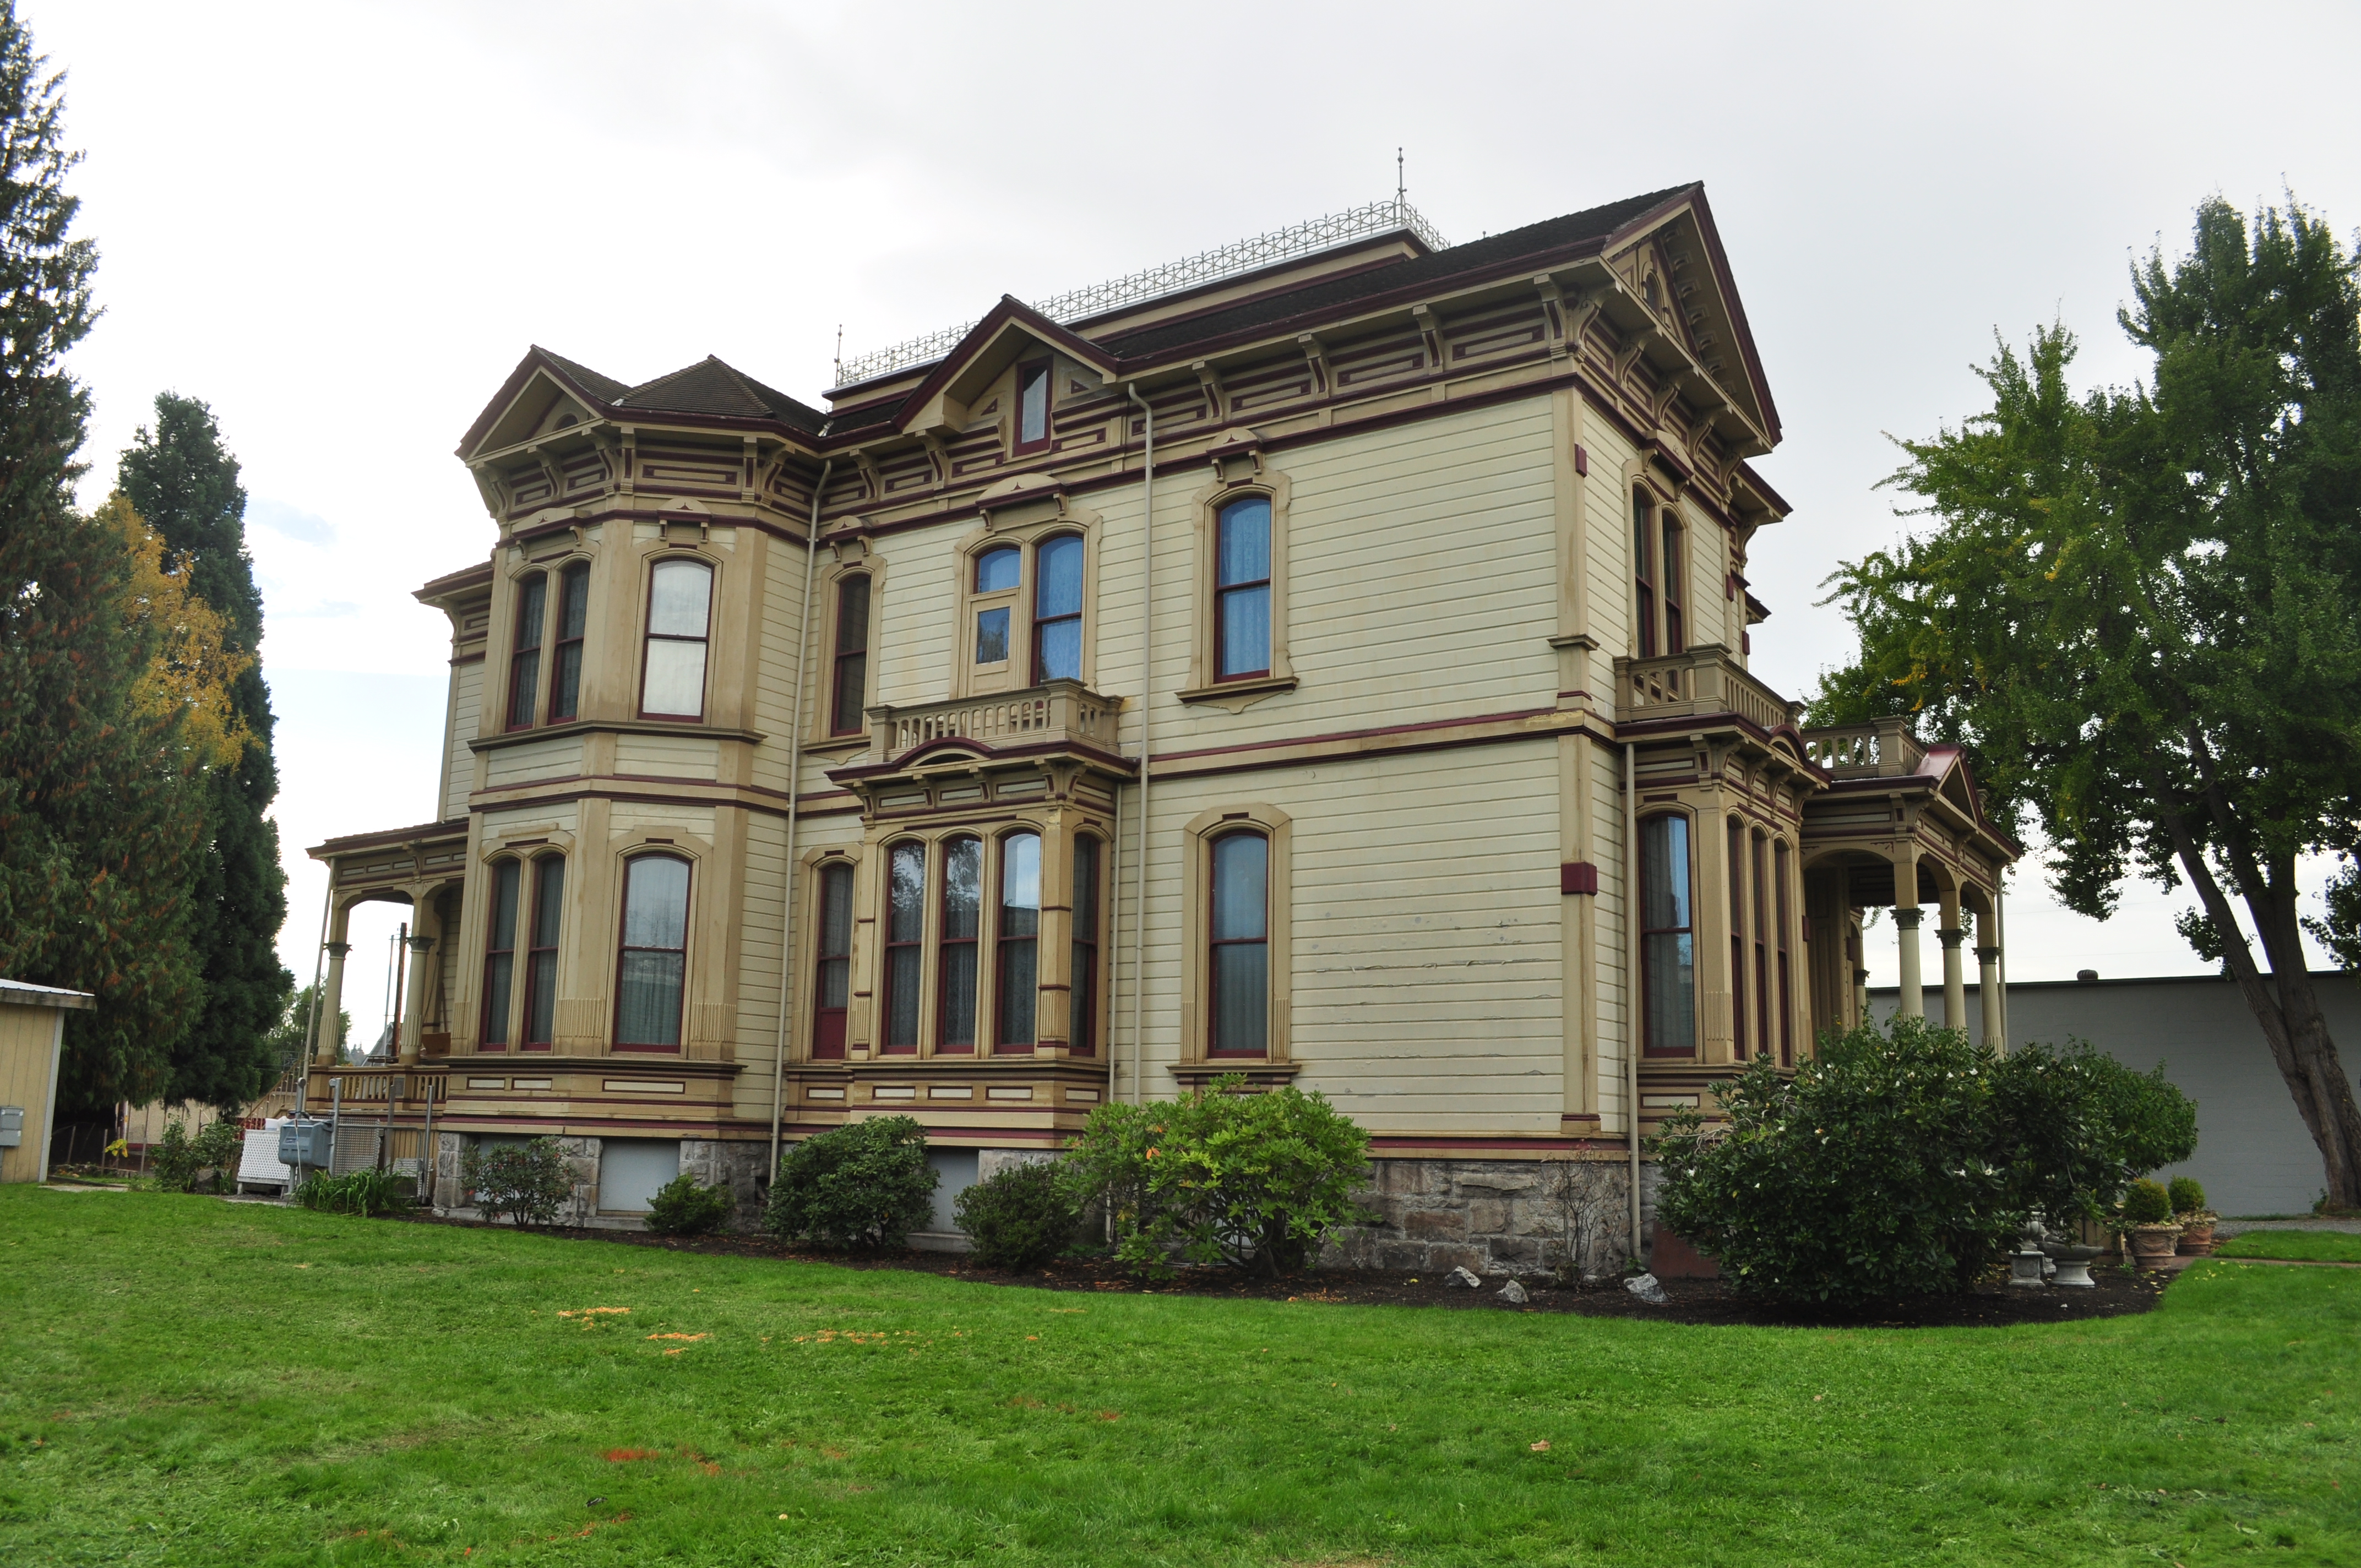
[{"x": 305, "y": 1143}]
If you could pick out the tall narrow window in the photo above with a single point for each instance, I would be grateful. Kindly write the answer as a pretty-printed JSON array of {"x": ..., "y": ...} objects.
[
  {"x": 1083, "y": 995},
  {"x": 832, "y": 987},
  {"x": 1780, "y": 871},
  {"x": 680, "y": 611},
  {"x": 524, "y": 663},
  {"x": 1764, "y": 1020},
  {"x": 1734, "y": 864},
  {"x": 1242, "y": 591},
  {"x": 905, "y": 931},
  {"x": 654, "y": 959},
  {"x": 1239, "y": 939},
  {"x": 1057, "y": 609},
  {"x": 850, "y": 692},
  {"x": 962, "y": 925},
  {"x": 1667, "y": 938},
  {"x": 997, "y": 572},
  {"x": 500, "y": 957},
  {"x": 1017, "y": 973},
  {"x": 1676, "y": 636},
  {"x": 573, "y": 616},
  {"x": 541, "y": 952},
  {"x": 1644, "y": 577},
  {"x": 1032, "y": 405}
]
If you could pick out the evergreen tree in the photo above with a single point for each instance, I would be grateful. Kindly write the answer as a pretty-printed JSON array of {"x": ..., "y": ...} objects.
[
  {"x": 179, "y": 478},
  {"x": 98, "y": 821}
]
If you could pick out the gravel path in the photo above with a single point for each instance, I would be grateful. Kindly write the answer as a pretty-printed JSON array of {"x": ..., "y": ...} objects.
[{"x": 2239, "y": 1227}]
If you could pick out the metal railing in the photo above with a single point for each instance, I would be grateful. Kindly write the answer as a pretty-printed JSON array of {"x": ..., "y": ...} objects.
[{"x": 1306, "y": 239}]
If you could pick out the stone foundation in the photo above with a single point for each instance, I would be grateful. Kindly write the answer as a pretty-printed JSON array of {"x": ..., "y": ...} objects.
[
  {"x": 1493, "y": 1217},
  {"x": 744, "y": 1164}
]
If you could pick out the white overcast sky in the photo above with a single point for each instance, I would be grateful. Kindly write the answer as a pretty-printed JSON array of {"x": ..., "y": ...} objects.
[{"x": 342, "y": 224}]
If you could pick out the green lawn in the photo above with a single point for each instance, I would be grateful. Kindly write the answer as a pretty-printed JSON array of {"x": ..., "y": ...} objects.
[
  {"x": 2309, "y": 1246},
  {"x": 193, "y": 1382}
]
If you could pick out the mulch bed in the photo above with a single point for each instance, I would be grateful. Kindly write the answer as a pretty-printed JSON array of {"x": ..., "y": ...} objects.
[{"x": 1709, "y": 1301}]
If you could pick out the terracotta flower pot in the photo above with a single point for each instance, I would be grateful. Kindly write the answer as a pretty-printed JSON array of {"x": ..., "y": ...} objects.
[
  {"x": 2152, "y": 1243},
  {"x": 2196, "y": 1237}
]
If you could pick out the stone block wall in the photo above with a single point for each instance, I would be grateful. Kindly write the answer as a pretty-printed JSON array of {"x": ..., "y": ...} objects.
[
  {"x": 1492, "y": 1217},
  {"x": 582, "y": 1165},
  {"x": 742, "y": 1164}
]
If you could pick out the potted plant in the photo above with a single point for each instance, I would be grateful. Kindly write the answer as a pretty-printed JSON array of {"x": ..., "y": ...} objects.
[
  {"x": 2188, "y": 1200},
  {"x": 2147, "y": 1220}
]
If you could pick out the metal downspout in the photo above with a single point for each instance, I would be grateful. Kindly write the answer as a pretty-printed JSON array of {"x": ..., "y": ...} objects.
[
  {"x": 794, "y": 790},
  {"x": 1632, "y": 977},
  {"x": 1146, "y": 675}
]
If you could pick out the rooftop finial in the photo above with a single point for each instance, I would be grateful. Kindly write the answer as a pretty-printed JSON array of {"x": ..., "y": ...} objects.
[
  {"x": 1401, "y": 186},
  {"x": 840, "y": 351}
]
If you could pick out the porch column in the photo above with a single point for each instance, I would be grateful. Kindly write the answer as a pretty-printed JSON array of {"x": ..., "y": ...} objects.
[
  {"x": 413, "y": 999},
  {"x": 331, "y": 989},
  {"x": 1955, "y": 985},
  {"x": 1912, "y": 1002},
  {"x": 1988, "y": 980}
]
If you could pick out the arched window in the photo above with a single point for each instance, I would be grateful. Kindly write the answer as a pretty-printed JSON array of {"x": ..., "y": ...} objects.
[
  {"x": 850, "y": 693},
  {"x": 1017, "y": 972},
  {"x": 653, "y": 962},
  {"x": 524, "y": 661},
  {"x": 1239, "y": 941},
  {"x": 1677, "y": 635},
  {"x": 962, "y": 928},
  {"x": 1082, "y": 992},
  {"x": 1643, "y": 575},
  {"x": 500, "y": 956},
  {"x": 1735, "y": 863},
  {"x": 1781, "y": 868},
  {"x": 832, "y": 986},
  {"x": 1765, "y": 1021},
  {"x": 997, "y": 573},
  {"x": 1667, "y": 935},
  {"x": 905, "y": 930},
  {"x": 573, "y": 617},
  {"x": 541, "y": 952},
  {"x": 1242, "y": 591},
  {"x": 1057, "y": 609},
  {"x": 680, "y": 613}
]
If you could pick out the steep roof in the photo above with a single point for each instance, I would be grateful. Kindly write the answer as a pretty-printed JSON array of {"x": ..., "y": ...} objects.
[{"x": 711, "y": 387}]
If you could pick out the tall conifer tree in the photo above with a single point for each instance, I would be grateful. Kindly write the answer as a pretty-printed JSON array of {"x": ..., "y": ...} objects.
[
  {"x": 98, "y": 821},
  {"x": 180, "y": 478}
]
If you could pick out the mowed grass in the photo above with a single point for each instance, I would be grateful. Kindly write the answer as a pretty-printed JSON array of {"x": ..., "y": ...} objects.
[
  {"x": 193, "y": 1382},
  {"x": 2309, "y": 1246}
]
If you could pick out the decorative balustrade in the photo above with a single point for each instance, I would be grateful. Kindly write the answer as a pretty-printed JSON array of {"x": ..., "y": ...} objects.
[
  {"x": 1886, "y": 749},
  {"x": 376, "y": 1085},
  {"x": 1050, "y": 714},
  {"x": 1702, "y": 682}
]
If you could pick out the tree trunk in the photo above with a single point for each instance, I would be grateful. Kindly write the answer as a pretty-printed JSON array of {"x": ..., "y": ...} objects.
[{"x": 2285, "y": 1004}]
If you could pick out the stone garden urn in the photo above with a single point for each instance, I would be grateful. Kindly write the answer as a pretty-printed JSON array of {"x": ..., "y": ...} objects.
[
  {"x": 2073, "y": 1261},
  {"x": 2153, "y": 1244},
  {"x": 2197, "y": 1233}
]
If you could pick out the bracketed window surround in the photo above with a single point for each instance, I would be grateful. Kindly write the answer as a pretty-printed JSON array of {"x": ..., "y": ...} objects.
[
  {"x": 1196, "y": 911},
  {"x": 470, "y": 934},
  {"x": 653, "y": 960},
  {"x": 1028, "y": 538},
  {"x": 1663, "y": 567},
  {"x": 536, "y": 656},
  {"x": 668, "y": 631},
  {"x": 1243, "y": 477}
]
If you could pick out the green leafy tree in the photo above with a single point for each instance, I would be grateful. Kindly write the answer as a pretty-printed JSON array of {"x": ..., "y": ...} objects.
[
  {"x": 2135, "y": 608},
  {"x": 290, "y": 1038},
  {"x": 98, "y": 822},
  {"x": 179, "y": 478}
]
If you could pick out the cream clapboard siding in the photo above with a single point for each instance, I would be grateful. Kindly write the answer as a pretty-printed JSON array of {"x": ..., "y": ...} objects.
[
  {"x": 1425, "y": 910},
  {"x": 773, "y": 710},
  {"x": 531, "y": 760},
  {"x": 667, "y": 756},
  {"x": 758, "y": 930},
  {"x": 1612, "y": 952},
  {"x": 458, "y": 761}
]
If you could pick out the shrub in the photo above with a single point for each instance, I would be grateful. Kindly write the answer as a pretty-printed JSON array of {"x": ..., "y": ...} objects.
[
  {"x": 2147, "y": 1203},
  {"x": 1869, "y": 1174},
  {"x": 179, "y": 1163},
  {"x": 1021, "y": 1217},
  {"x": 683, "y": 1207},
  {"x": 526, "y": 1182},
  {"x": 864, "y": 1185},
  {"x": 2188, "y": 1196},
  {"x": 1220, "y": 1176},
  {"x": 2076, "y": 1127},
  {"x": 362, "y": 1192}
]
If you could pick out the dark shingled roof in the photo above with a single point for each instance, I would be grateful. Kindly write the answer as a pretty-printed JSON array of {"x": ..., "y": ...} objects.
[
  {"x": 1477, "y": 256},
  {"x": 606, "y": 389},
  {"x": 710, "y": 387}
]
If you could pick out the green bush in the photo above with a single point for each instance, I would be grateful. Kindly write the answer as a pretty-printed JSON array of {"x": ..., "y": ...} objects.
[
  {"x": 683, "y": 1207},
  {"x": 2188, "y": 1196},
  {"x": 1021, "y": 1217},
  {"x": 179, "y": 1163},
  {"x": 864, "y": 1185},
  {"x": 528, "y": 1183},
  {"x": 1221, "y": 1176},
  {"x": 2147, "y": 1203},
  {"x": 362, "y": 1192},
  {"x": 2075, "y": 1126},
  {"x": 1869, "y": 1174}
]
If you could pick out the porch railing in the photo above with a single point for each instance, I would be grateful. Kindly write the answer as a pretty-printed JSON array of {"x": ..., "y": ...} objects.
[
  {"x": 1886, "y": 749},
  {"x": 1699, "y": 683},
  {"x": 1050, "y": 713}
]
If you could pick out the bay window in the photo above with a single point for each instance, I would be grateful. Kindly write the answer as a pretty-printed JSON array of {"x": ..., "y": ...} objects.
[
  {"x": 962, "y": 930},
  {"x": 832, "y": 986},
  {"x": 652, "y": 963},
  {"x": 1667, "y": 939},
  {"x": 500, "y": 956},
  {"x": 524, "y": 657},
  {"x": 541, "y": 952},
  {"x": 1083, "y": 993},
  {"x": 573, "y": 617},
  {"x": 1016, "y": 973},
  {"x": 905, "y": 930},
  {"x": 680, "y": 609}
]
